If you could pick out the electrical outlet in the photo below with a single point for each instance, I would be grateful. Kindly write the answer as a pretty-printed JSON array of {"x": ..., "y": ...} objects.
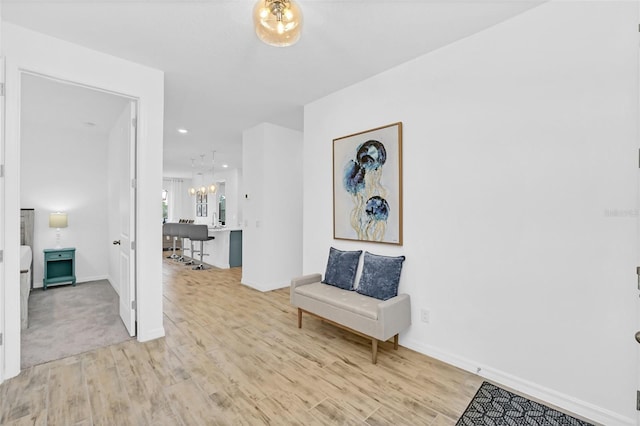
[{"x": 424, "y": 315}]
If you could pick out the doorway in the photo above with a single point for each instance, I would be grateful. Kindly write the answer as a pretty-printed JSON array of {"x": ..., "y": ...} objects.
[{"x": 77, "y": 156}]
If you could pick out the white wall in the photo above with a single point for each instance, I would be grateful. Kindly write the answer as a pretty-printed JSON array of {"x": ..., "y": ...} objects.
[
  {"x": 31, "y": 51},
  {"x": 241, "y": 199},
  {"x": 3, "y": 275},
  {"x": 231, "y": 179},
  {"x": 272, "y": 232},
  {"x": 72, "y": 177},
  {"x": 519, "y": 142}
]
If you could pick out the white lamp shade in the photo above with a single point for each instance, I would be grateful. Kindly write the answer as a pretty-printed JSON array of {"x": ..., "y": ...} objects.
[{"x": 57, "y": 220}]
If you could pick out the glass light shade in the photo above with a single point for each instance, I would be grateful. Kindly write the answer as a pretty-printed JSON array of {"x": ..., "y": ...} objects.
[
  {"x": 212, "y": 188},
  {"x": 58, "y": 220},
  {"x": 203, "y": 190},
  {"x": 278, "y": 22},
  {"x": 192, "y": 191}
]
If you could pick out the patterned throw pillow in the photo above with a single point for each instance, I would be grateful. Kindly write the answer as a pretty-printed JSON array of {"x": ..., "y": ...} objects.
[
  {"x": 380, "y": 276},
  {"x": 341, "y": 268}
]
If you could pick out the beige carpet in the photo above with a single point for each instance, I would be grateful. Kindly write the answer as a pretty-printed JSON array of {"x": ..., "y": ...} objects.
[{"x": 67, "y": 320}]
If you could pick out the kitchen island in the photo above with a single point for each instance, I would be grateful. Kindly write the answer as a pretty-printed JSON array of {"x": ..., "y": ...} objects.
[{"x": 223, "y": 251}]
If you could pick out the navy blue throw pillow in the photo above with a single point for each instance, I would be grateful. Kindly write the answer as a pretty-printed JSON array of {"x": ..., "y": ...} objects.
[
  {"x": 380, "y": 276},
  {"x": 341, "y": 268}
]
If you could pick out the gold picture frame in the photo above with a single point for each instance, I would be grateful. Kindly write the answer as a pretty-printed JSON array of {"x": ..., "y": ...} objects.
[{"x": 367, "y": 185}]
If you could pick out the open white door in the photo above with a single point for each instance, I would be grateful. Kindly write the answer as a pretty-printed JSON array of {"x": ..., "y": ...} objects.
[{"x": 127, "y": 192}]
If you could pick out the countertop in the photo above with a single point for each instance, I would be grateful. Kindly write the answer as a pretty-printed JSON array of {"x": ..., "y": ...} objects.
[{"x": 226, "y": 228}]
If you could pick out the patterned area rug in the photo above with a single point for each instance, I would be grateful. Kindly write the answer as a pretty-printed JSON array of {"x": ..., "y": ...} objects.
[{"x": 493, "y": 406}]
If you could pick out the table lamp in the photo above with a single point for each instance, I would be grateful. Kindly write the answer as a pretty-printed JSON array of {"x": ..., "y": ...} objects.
[{"x": 57, "y": 220}]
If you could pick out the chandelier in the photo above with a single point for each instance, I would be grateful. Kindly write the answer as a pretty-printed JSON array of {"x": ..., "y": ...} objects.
[
  {"x": 278, "y": 22},
  {"x": 192, "y": 190},
  {"x": 212, "y": 186},
  {"x": 201, "y": 189}
]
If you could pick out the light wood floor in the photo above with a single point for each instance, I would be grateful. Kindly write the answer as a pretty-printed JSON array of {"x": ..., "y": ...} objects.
[{"x": 234, "y": 356}]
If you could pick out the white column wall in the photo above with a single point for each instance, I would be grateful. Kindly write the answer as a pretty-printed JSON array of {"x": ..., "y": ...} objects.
[
  {"x": 15, "y": 257},
  {"x": 520, "y": 200},
  {"x": 272, "y": 210},
  {"x": 253, "y": 235}
]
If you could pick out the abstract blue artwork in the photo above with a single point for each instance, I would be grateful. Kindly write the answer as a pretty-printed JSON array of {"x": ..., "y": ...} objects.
[{"x": 367, "y": 185}]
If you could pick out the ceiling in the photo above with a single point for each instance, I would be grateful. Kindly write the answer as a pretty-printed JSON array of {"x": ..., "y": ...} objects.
[
  {"x": 50, "y": 103},
  {"x": 220, "y": 79}
]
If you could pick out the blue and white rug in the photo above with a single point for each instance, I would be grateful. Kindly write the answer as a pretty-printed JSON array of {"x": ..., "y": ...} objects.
[{"x": 494, "y": 406}]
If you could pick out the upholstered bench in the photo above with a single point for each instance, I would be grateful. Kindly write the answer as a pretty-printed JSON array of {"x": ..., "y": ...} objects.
[{"x": 364, "y": 315}]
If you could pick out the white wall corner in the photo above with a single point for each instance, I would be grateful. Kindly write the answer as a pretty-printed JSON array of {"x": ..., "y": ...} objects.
[{"x": 264, "y": 287}]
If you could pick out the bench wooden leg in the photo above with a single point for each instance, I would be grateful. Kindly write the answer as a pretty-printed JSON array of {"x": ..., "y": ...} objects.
[
  {"x": 299, "y": 318},
  {"x": 374, "y": 350},
  {"x": 395, "y": 342}
]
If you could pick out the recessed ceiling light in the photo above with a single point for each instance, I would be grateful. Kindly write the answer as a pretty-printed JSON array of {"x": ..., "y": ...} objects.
[
  {"x": 183, "y": 131},
  {"x": 225, "y": 165}
]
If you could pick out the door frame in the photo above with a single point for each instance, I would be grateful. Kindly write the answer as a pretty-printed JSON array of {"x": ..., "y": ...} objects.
[
  {"x": 127, "y": 310},
  {"x": 12, "y": 239},
  {"x": 29, "y": 50}
]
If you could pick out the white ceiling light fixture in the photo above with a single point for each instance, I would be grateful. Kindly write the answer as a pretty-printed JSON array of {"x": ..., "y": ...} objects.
[
  {"x": 192, "y": 188},
  {"x": 203, "y": 189},
  {"x": 183, "y": 131},
  {"x": 212, "y": 187},
  {"x": 278, "y": 22}
]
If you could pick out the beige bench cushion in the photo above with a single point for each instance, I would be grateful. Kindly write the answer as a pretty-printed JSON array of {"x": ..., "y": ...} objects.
[{"x": 343, "y": 299}]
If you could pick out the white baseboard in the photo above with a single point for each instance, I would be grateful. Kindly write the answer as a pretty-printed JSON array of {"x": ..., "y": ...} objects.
[
  {"x": 112, "y": 286},
  {"x": 37, "y": 283},
  {"x": 150, "y": 334},
  {"x": 566, "y": 402},
  {"x": 218, "y": 265},
  {"x": 95, "y": 278},
  {"x": 263, "y": 287}
]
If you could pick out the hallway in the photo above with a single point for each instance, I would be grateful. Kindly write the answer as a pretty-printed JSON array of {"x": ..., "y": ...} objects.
[{"x": 233, "y": 355}]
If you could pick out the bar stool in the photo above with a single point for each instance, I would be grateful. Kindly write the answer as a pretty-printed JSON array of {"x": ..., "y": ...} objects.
[
  {"x": 169, "y": 230},
  {"x": 199, "y": 233},
  {"x": 183, "y": 234}
]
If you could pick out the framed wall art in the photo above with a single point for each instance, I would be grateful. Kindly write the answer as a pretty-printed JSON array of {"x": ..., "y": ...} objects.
[
  {"x": 367, "y": 185},
  {"x": 201, "y": 204}
]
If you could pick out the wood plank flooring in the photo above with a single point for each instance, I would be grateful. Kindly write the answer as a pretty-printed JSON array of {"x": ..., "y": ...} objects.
[{"x": 234, "y": 356}]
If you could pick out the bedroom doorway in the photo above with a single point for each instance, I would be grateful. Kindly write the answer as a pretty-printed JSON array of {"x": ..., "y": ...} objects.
[{"x": 77, "y": 156}]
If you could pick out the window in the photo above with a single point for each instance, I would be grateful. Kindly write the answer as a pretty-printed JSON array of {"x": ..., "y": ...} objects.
[{"x": 165, "y": 205}]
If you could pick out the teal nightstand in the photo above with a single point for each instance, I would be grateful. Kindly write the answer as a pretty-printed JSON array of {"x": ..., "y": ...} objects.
[{"x": 59, "y": 266}]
